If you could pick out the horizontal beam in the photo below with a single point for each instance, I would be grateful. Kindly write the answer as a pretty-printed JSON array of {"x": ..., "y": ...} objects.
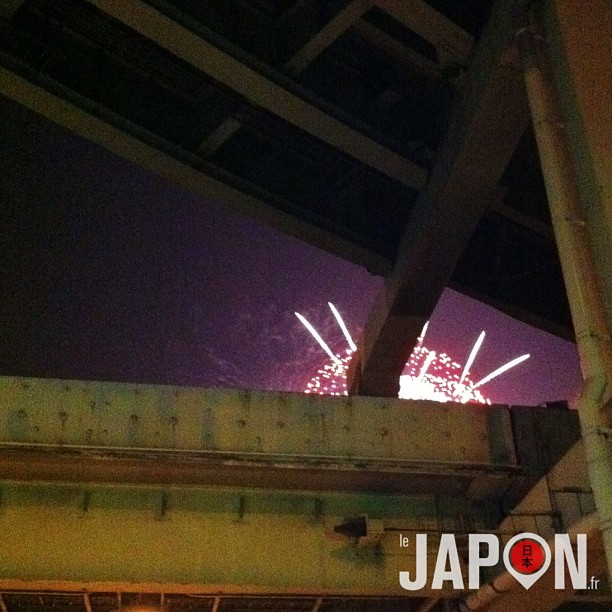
[
  {"x": 135, "y": 150},
  {"x": 516, "y": 312},
  {"x": 167, "y": 539},
  {"x": 165, "y": 535},
  {"x": 249, "y": 426},
  {"x": 487, "y": 125},
  {"x": 208, "y": 541},
  {"x": 111, "y": 466},
  {"x": 260, "y": 90},
  {"x": 91, "y": 432}
]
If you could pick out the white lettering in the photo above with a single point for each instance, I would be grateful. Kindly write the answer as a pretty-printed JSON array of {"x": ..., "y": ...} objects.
[
  {"x": 447, "y": 550},
  {"x": 448, "y": 565},
  {"x": 421, "y": 567},
  {"x": 476, "y": 561},
  {"x": 576, "y": 566}
]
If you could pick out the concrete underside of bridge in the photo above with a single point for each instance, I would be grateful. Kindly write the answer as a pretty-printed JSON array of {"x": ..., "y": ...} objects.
[
  {"x": 444, "y": 208},
  {"x": 435, "y": 215},
  {"x": 183, "y": 499}
]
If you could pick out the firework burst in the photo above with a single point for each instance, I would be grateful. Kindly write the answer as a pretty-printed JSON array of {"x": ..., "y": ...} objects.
[{"x": 427, "y": 375}]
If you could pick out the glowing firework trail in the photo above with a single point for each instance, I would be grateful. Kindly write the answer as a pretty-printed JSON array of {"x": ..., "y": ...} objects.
[
  {"x": 434, "y": 385},
  {"x": 318, "y": 338},
  {"x": 473, "y": 353},
  {"x": 343, "y": 327},
  {"x": 501, "y": 370},
  {"x": 423, "y": 332},
  {"x": 431, "y": 357}
]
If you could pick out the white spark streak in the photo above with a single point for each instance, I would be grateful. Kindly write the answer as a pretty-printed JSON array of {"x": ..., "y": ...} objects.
[
  {"x": 343, "y": 327},
  {"x": 318, "y": 338},
  {"x": 501, "y": 370},
  {"x": 331, "y": 379},
  {"x": 473, "y": 353},
  {"x": 423, "y": 332},
  {"x": 430, "y": 357}
]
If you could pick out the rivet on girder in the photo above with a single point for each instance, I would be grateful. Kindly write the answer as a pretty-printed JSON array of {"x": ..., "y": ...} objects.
[
  {"x": 241, "y": 507},
  {"x": 164, "y": 505},
  {"x": 86, "y": 502}
]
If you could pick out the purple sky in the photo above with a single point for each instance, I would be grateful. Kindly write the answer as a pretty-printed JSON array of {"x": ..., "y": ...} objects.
[{"x": 112, "y": 273}]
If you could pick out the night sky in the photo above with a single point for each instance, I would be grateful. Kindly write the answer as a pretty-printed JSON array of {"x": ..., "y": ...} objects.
[{"x": 111, "y": 273}]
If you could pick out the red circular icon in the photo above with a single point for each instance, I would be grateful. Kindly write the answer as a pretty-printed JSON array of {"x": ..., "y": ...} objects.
[{"x": 527, "y": 556}]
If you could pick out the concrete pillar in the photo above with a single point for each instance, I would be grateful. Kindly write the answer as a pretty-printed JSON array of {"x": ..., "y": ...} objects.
[
  {"x": 579, "y": 35},
  {"x": 572, "y": 126}
]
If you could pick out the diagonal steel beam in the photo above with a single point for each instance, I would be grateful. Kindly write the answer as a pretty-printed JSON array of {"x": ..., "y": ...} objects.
[
  {"x": 397, "y": 50},
  {"x": 87, "y": 602},
  {"x": 485, "y": 130},
  {"x": 317, "y": 605},
  {"x": 260, "y": 90},
  {"x": 450, "y": 41},
  {"x": 428, "y": 604},
  {"x": 219, "y": 136},
  {"x": 322, "y": 39},
  {"x": 327, "y": 35}
]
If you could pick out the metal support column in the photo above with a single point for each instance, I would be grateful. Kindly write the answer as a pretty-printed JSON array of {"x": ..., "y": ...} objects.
[{"x": 581, "y": 281}]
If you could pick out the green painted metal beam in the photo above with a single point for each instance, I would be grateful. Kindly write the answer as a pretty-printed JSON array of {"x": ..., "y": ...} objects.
[
  {"x": 109, "y": 487},
  {"x": 45, "y": 413},
  {"x": 212, "y": 540},
  {"x": 79, "y": 431}
]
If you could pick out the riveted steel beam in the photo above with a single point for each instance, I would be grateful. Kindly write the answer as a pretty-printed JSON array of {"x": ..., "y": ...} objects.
[{"x": 260, "y": 90}]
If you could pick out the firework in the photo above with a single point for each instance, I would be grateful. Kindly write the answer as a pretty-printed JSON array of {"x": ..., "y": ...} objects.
[{"x": 427, "y": 375}]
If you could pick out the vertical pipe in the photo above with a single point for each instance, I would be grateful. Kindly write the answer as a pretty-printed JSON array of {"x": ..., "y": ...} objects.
[{"x": 581, "y": 281}]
